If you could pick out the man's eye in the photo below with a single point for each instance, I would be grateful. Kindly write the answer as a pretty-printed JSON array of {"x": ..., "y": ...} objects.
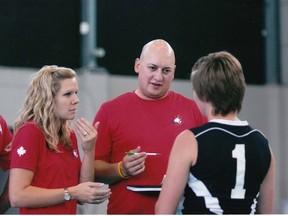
[
  {"x": 166, "y": 71},
  {"x": 152, "y": 68}
]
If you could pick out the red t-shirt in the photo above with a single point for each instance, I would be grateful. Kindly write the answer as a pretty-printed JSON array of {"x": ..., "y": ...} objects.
[
  {"x": 129, "y": 121},
  {"x": 51, "y": 170},
  {"x": 5, "y": 138}
]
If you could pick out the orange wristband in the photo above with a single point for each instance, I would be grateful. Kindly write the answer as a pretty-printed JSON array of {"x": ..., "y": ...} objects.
[{"x": 119, "y": 171}]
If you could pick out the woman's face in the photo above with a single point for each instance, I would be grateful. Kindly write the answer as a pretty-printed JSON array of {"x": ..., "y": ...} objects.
[{"x": 66, "y": 99}]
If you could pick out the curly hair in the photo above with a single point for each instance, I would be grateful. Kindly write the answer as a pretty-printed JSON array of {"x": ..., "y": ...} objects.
[{"x": 39, "y": 106}]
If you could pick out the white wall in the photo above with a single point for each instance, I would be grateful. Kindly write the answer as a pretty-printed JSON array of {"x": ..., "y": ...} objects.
[
  {"x": 284, "y": 39},
  {"x": 265, "y": 107}
]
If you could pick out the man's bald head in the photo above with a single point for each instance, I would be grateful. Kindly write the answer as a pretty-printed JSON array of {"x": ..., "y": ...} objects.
[{"x": 156, "y": 46}]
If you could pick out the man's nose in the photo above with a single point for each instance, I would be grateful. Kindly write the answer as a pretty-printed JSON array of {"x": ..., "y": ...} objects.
[{"x": 158, "y": 74}]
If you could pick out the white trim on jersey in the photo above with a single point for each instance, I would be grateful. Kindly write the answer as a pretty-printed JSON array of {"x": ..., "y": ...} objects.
[
  {"x": 233, "y": 134},
  {"x": 230, "y": 122},
  {"x": 199, "y": 188},
  {"x": 253, "y": 206}
]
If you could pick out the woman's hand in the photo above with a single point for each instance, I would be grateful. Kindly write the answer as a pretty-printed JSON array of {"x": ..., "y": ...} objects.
[
  {"x": 88, "y": 133},
  {"x": 90, "y": 192}
]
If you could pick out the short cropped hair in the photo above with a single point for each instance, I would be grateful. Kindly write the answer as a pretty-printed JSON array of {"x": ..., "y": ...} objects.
[{"x": 218, "y": 78}]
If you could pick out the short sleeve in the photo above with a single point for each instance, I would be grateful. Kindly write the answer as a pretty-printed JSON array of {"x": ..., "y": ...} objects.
[{"x": 26, "y": 147}]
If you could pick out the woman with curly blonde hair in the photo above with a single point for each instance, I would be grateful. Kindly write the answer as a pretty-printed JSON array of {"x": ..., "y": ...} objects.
[{"x": 47, "y": 175}]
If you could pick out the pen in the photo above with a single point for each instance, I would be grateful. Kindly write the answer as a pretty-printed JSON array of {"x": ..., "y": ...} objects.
[{"x": 148, "y": 153}]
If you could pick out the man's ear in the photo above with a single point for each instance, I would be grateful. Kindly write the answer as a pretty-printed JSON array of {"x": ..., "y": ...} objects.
[
  {"x": 174, "y": 72},
  {"x": 137, "y": 65}
]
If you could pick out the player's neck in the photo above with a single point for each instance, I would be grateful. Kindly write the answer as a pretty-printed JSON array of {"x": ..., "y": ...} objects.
[{"x": 230, "y": 117}]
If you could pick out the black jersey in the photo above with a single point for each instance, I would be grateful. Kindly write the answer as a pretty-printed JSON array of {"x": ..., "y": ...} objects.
[{"x": 233, "y": 159}]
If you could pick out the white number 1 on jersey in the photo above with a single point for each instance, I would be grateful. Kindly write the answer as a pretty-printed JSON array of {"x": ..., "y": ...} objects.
[{"x": 238, "y": 192}]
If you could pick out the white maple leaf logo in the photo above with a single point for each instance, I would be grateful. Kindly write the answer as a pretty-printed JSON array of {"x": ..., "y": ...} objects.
[{"x": 21, "y": 151}]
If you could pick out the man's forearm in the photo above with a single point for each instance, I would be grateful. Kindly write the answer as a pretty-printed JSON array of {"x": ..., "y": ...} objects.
[{"x": 106, "y": 173}]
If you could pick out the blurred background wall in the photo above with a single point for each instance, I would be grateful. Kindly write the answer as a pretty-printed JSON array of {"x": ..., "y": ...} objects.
[{"x": 101, "y": 39}]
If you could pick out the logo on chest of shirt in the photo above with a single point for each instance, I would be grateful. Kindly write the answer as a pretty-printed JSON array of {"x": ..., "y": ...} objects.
[
  {"x": 75, "y": 153},
  {"x": 178, "y": 120}
]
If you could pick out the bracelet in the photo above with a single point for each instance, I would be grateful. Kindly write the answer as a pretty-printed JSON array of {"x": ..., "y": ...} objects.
[
  {"x": 92, "y": 174},
  {"x": 119, "y": 171}
]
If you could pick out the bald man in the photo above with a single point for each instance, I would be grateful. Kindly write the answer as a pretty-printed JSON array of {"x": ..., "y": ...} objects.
[{"x": 144, "y": 120}]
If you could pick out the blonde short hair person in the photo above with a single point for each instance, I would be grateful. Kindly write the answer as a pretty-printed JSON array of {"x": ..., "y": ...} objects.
[{"x": 224, "y": 166}]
